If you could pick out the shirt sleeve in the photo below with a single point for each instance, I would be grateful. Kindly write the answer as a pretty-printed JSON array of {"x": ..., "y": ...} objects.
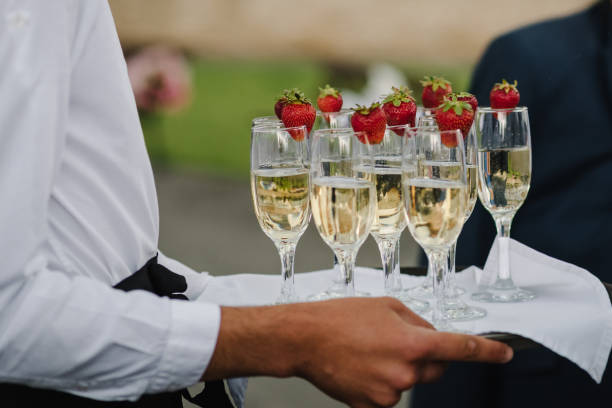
[{"x": 60, "y": 331}]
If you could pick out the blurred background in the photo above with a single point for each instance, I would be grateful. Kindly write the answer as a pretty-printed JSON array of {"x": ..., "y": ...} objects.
[{"x": 202, "y": 69}]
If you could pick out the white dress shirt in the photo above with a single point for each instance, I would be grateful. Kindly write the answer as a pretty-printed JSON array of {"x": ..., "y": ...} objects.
[{"x": 78, "y": 213}]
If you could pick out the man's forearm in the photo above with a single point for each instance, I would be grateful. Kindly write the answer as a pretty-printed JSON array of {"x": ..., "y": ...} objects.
[{"x": 258, "y": 341}]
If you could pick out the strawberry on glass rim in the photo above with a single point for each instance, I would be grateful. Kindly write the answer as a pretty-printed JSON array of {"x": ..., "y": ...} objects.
[
  {"x": 454, "y": 114},
  {"x": 434, "y": 90},
  {"x": 369, "y": 122},
  {"x": 465, "y": 97},
  {"x": 281, "y": 100},
  {"x": 504, "y": 95},
  {"x": 400, "y": 107},
  {"x": 329, "y": 100},
  {"x": 298, "y": 111}
]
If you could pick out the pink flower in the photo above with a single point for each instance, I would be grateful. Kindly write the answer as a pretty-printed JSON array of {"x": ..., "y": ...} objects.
[{"x": 160, "y": 79}]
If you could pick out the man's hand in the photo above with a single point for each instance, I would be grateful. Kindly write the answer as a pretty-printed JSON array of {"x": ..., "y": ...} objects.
[{"x": 363, "y": 352}]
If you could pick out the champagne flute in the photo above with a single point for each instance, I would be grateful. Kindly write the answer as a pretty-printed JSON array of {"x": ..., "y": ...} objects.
[
  {"x": 504, "y": 176},
  {"x": 342, "y": 198},
  {"x": 280, "y": 182},
  {"x": 456, "y": 309},
  {"x": 425, "y": 290},
  {"x": 390, "y": 219},
  {"x": 334, "y": 120},
  {"x": 434, "y": 198}
]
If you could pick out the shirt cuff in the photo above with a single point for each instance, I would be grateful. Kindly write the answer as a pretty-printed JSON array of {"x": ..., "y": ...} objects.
[{"x": 191, "y": 344}]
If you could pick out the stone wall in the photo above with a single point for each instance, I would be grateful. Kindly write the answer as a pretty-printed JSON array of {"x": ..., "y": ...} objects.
[{"x": 345, "y": 31}]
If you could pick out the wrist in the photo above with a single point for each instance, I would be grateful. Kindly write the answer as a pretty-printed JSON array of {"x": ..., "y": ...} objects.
[
  {"x": 270, "y": 340},
  {"x": 294, "y": 326}
]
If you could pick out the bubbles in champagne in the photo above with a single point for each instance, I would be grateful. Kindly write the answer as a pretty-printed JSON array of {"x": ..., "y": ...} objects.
[
  {"x": 281, "y": 202},
  {"x": 435, "y": 210},
  {"x": 343, "y": 209},
  {"x": 504, "y": 178},
  {"x": 389, "y": 219}
]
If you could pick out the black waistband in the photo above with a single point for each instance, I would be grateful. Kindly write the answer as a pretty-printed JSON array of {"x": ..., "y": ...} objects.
[{"x": 155, "y": 278}]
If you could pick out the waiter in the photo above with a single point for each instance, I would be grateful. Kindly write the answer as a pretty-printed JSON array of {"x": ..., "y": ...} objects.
[{"x": 79, "y": 215}]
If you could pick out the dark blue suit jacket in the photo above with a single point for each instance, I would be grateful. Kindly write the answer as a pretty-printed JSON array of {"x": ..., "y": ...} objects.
[{"x": 564, "y": 73}]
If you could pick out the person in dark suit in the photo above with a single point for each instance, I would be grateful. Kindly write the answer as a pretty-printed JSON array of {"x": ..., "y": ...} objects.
[{"x": 564, "y": 72}]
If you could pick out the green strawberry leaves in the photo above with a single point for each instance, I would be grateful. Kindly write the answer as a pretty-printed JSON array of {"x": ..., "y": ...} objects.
[
  {"x": 435, "y": 82},
  {"x": 506, "y": 86},
  {"x": 328, "y": 91},
  {"x": 456, "y": 105},
  {"x": 296, "y": 96},
  {"x": 400, "y": 95},
  {"x": 365, "y": 110}
]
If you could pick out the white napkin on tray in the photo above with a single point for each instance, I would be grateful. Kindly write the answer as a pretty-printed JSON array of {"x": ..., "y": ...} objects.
[{"x": 571, "y": 314}]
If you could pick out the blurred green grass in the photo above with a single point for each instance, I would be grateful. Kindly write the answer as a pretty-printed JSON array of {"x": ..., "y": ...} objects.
[{"x": 213, "y": 133}]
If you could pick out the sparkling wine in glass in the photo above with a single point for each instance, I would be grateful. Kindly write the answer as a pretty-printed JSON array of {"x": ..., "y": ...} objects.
[
  {"x": 425, "y": 120},
  {"x": 456, "y": 309},
  {"x": 342, "y": 198},
  {"x": 390, "y": 218},
  {"x": 280, "y": 181},
  {"x": 334, "y": 120},
  {"x": 504, "y": 176},
  {"x": 434, "y": 199}
]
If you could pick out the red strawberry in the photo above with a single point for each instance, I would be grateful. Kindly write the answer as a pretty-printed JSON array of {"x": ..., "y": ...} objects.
[
  {"x": 372, "y": 121},
  {"x": 454, "y": 114},
  {"x": 434, "y": 89},
  {"x": 278, "y": 107},
  {"x": 504, "y": 95},
  {"x": 298, "y": 111},
  {"x": 399, "y": 107},
  {"x": 280, "y": 103},
  {"x": 465, "y": 97},
  {"x": 329, "y": 100}
]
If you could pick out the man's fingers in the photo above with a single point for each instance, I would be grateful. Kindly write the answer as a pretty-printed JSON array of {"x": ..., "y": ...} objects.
[{"x": 462, "y": 347}]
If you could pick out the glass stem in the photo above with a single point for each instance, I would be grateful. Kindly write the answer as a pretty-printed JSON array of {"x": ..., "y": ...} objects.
[
  {"x": 450, "y": 282},
  {"x": 438, "y": 265},
  {"x": 503, "y": 235},
  {"x": 397, "y": 280},
  {"x": 429, "y": 277},
  {"x": 287, "y": 255},
  {"x": 347, "y": 267},
  {"x": 338, "y": 270},
  {"x": 387, "y": 254}
]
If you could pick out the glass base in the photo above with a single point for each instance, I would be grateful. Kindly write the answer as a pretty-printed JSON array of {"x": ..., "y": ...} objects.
[
  {"x": 424, "y": 291},
  {"x": 514, "y": 295},
  {"x": 455, "y": 292},
  {"x": 417, "y": 306},
  {"x": 459, "y": 311},
  {"x": 337, "y": 291}
]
